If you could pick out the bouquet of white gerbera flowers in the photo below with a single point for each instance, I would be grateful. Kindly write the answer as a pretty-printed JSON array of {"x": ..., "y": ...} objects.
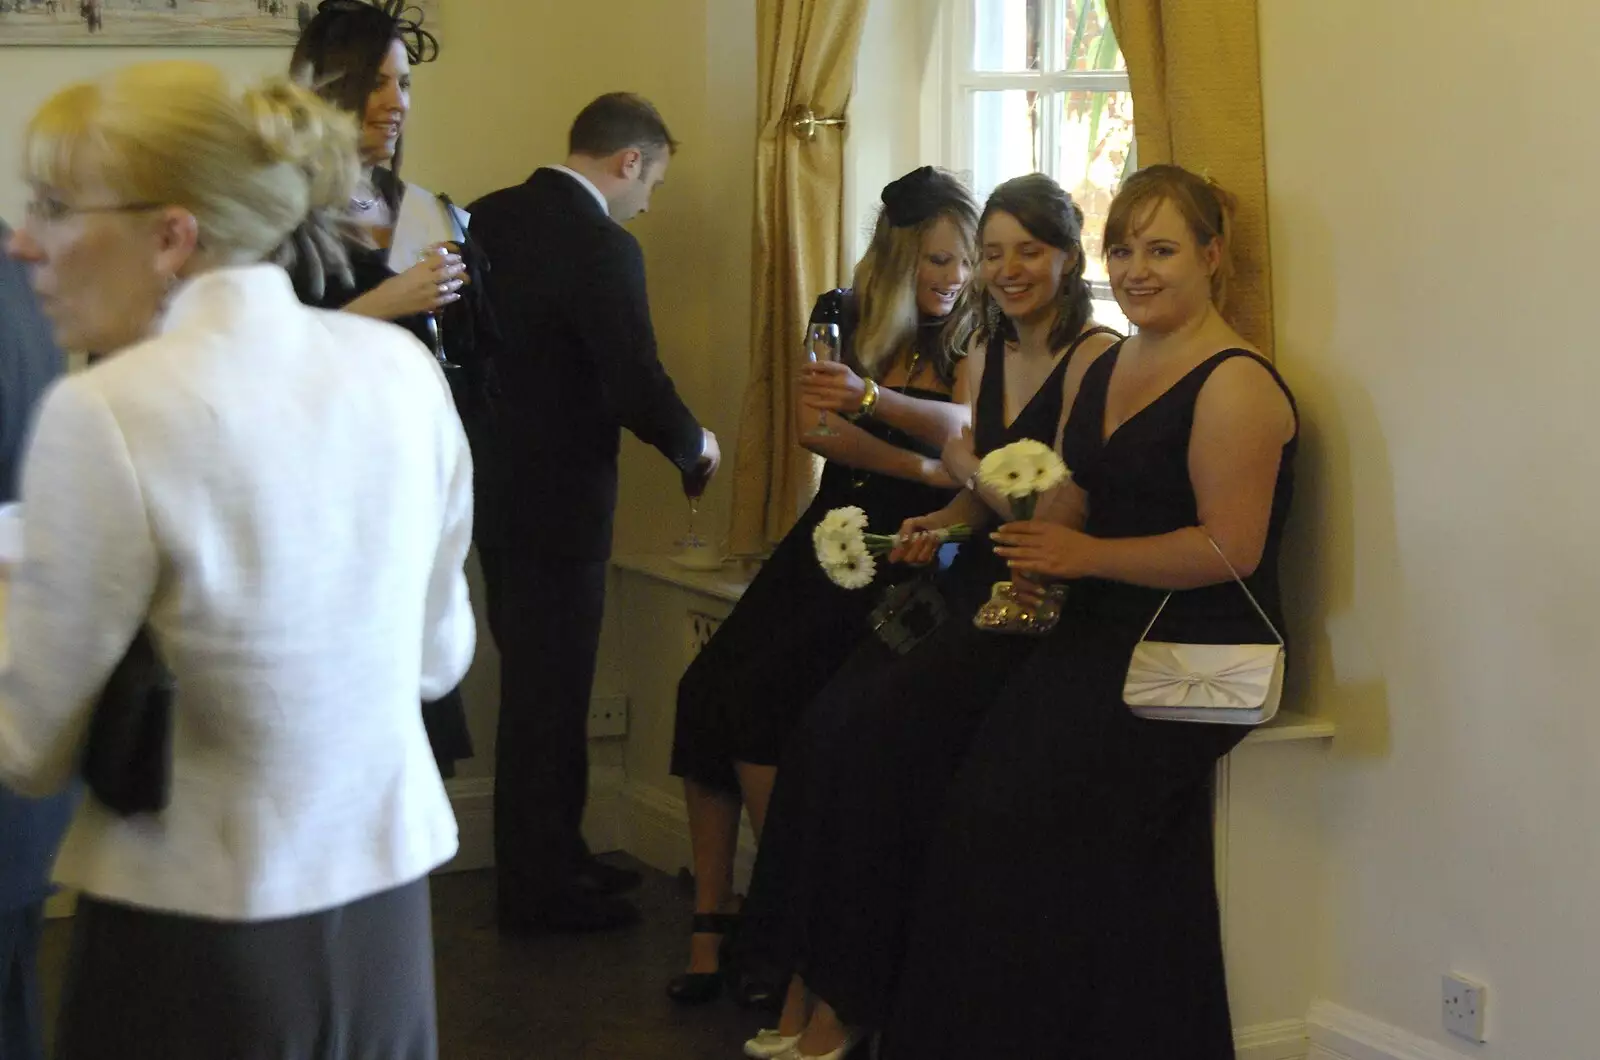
[
  {"x": 1020, "y": 472},
  {"x": 848, "y": 553}
]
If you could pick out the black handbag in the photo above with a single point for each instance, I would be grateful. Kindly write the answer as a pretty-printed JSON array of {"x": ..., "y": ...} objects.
[{"x": 127, "y": 758}]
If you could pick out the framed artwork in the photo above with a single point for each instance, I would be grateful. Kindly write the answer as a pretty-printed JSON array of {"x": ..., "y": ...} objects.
[{"x": 162, "y": 23}]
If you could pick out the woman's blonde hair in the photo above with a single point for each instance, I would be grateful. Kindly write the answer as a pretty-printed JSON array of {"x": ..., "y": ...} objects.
[
  {"x": 1205, "y": 206},
  {"x": 886, "y": 277},
  {"x": 266, "y": 171}
]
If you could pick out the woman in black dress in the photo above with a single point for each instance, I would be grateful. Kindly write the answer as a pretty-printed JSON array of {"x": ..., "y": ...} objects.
[
  {"x": 1069, "y": 908},
  {"x": 358, "y": 56},
  {"x": 888, "y": 400},
  {"x": 864, "y": 777}
]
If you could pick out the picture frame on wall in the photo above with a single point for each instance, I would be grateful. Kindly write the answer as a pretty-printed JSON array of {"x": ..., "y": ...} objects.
[{"x": 162, "y": 23}]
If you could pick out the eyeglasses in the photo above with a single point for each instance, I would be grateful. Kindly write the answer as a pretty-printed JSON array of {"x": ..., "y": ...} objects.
[{"x": 48, "y": 211}]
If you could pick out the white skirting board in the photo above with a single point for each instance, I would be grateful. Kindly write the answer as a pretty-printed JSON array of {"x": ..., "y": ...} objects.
[
  {"x": 654, "y": 827},
  {"x": 1338, "y": 1033},
  {"x": 1284, "y": 1040},
  {"x": 472, "y": 799}
]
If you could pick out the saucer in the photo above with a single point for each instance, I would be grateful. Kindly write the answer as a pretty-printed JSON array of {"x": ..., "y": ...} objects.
[{"x": 701, "y": 559}]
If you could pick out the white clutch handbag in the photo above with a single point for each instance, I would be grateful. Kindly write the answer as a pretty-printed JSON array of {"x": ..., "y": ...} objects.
[{"x": 1229, "y": 684}]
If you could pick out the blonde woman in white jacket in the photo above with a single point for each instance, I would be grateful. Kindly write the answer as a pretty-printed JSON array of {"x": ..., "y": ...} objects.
[{"x": 282, "y": 496}]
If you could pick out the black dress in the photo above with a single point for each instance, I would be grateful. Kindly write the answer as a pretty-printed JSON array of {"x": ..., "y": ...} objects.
[
  {"x": 446, "y": 718},
  {"x": 793, "y": 627},
  {"x": 1069, "y": 908},
  {"x": 865, "y": 775}
]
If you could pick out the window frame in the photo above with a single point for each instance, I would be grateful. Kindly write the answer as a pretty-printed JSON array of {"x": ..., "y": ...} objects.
[{"x": 961, "y": 82}]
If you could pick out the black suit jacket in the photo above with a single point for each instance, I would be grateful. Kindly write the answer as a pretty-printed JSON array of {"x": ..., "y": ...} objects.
[{"x": 576, "y": 361}]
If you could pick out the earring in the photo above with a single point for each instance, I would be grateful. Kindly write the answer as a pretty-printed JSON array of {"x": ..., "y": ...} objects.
[{"x": 991, "y": 312}]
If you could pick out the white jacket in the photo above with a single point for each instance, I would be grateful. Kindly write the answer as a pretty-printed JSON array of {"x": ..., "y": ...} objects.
[{"x": 286, "y": 493}]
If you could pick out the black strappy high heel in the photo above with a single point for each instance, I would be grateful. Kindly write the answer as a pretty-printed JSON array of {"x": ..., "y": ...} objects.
[{"x": 699, "y": 988}]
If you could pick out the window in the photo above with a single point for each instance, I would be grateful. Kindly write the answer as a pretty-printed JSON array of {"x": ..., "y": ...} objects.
[{"x": 1041, "y": 86}]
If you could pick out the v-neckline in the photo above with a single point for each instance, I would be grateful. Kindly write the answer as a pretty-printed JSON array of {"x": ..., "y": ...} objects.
[
  {"x": 1026, "y": 405},
  {"x": 1105, "y": 402}
]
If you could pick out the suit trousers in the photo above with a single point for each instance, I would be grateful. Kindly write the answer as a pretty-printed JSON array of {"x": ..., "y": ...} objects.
[
  {"x": 544, "y": 613},
  {"x": 20, "y": 1033}
]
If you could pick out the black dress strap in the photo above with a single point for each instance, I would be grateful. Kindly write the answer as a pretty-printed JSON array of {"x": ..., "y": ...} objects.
[
  {"x": 1084, "y": 336},
  {"x": 1196, "y": 378},
  {"x": 1041, "y": 413},
  {"x": 989, "y": 411}
]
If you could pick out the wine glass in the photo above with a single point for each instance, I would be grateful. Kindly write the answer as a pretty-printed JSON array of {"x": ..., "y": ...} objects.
[
  {"x": 436, "y": 321},
  {"x": 693, "y": 551},
  {"x": 693, "y": 487},
  {"x": 691, "y": 541},
  {"x": 822, "y": 344}
]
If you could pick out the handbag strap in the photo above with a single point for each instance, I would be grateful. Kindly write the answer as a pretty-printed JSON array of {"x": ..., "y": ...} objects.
[{"x": 1248, "y": 594}]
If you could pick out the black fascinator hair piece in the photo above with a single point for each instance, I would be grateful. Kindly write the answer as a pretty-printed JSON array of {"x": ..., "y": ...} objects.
[
  {"x": 421, "y": 46},
  {"x": 913, "y": 198}
]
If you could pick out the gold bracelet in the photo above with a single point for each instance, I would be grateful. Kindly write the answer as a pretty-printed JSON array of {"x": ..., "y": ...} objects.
[{"x": 869, "y": 400}]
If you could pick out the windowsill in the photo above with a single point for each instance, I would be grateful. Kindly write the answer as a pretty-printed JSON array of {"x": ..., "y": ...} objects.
[
  {"x": 1292, "y": 725},
  {"x": 729, "y": 584}
]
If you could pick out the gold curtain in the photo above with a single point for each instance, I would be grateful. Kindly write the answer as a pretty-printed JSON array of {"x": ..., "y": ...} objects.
[
  {"x": 1196, "y": 75},
  {"x": 807, "y": 58}
]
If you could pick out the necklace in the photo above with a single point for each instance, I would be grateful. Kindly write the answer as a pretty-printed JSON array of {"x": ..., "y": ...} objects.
[
  {"x": 362, "y": 205},
  {"x": 911, "y": 370}
]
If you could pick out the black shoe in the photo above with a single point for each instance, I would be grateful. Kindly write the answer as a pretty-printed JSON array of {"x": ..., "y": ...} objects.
[
  {"x": 698, "y": 988},
  {"x": 597, "y": 876},
  {"x": 758, "y": 993},
  {"x": 570, "y": 912}
]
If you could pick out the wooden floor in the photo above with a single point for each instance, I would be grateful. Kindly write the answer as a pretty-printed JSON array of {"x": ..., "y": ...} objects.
[{"x": 576, "y": 998}]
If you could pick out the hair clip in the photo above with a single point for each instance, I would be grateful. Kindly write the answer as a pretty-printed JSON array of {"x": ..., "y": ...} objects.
[
  {"x": 911, "y": 199},
  {"x": 421, "y": 46}
]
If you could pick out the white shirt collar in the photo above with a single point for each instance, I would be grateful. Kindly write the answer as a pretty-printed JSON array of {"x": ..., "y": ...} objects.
[{"x": 588, "y": 184}]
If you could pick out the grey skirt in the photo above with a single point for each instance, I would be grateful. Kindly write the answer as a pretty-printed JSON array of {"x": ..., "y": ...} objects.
[{"x": 352, "y": 983}]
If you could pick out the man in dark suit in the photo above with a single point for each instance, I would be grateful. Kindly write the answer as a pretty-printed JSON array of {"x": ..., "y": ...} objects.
[
  {"x": 29, "y": 829},
  {"x": 576, "y": 364}
]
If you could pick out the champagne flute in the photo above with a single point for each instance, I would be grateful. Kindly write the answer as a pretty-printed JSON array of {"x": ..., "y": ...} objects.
[
  {"x": 435, "y": 319},
  {"x": 822, "y": 344}
]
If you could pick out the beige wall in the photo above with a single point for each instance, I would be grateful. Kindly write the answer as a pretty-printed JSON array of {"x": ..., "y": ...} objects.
[
  {"x": 884, "y": 138},
  {"x": 1432, "y": 183},
  {"x": 511, "y": 75}
]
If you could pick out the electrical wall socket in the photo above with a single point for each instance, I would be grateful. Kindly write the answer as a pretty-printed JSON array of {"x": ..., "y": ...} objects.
[
  {"x": 1464, "y": 1004},
  {"x": 608, "y": 717}
]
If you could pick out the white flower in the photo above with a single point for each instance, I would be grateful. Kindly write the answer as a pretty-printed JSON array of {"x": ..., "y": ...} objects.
[
  {"x": 855, "y": 572},
  {"x": 1021, "y": 469},
  {"x": 834, "y": 549},
  {"x": 1049, "y": 472},
  {"x": 849, "y": 518}
]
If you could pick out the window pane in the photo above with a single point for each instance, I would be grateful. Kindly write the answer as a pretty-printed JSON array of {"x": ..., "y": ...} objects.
[
  {"x": 1007, "y": 35},
  {"x": 1095, "y": 151},
  {"x": 1089, "y": 42},
  {"x": 1006, "y": 138},
  {"x": 1107, "y": 312}
]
